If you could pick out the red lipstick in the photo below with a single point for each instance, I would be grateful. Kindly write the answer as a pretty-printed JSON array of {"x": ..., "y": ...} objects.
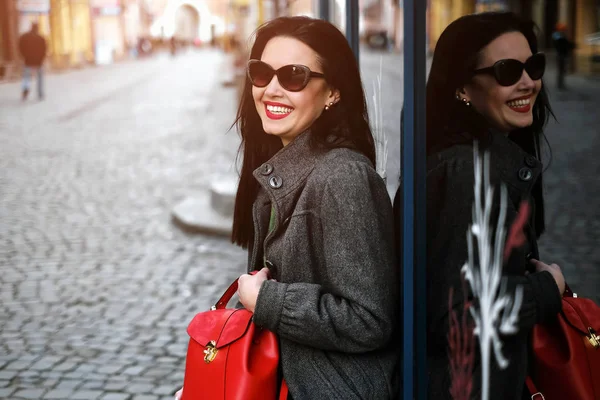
[
  {"x": 274, "y": 116},
  {"x": 524, "y": 108}
]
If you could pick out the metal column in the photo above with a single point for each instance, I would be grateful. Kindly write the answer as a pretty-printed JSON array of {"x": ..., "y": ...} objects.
[
  {"x": 324, "y": 10},
  {"x": 413, "y": 250},
  {"x": 352, "y": 25}
]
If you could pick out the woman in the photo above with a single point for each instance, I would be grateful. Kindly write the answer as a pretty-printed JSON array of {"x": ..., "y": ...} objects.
[
  {"x": 485, "y": 86},
  {"x": 315, "y": 215}
]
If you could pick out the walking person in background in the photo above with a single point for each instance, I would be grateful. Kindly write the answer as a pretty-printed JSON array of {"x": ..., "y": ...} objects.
[
  {"x": 33, "y": 50},
  {"x": 173, "y": 45},
  {"x": 487, "y": 90},
  {"x": 315, "y": 216},
  {"x": 563, "y": 47}
]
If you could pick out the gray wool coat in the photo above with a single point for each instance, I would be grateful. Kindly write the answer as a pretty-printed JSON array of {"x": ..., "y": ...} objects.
[{"x": 334, "y": 304}]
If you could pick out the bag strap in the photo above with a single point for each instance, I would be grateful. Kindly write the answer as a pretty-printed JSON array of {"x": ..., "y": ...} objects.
[
  {"x": 283, "y": 393},
  {"x": 535, "y": 394},
  {"x": 222, "y": 303}
]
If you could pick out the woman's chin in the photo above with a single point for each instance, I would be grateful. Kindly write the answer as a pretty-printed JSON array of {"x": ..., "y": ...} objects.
[{"x": 523, "y": 122}]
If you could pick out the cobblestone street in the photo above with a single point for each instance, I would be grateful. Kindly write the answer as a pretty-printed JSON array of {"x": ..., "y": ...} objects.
[{"x": 97, "y": 285}]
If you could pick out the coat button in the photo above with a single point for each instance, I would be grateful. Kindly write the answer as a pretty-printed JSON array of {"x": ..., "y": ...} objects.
[
  {"x": 272, "y": 268},
  {"x": 525, "y": 174},
  {"x": 530, "y": 161},
  {"x": 275, "y": 182},
  {"x": 266, "y": 169}
]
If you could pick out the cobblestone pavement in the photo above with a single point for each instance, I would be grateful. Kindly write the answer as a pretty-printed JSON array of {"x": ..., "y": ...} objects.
[
  {"x": 571, "y": 181},
  {"x": 97, "y": 285}
]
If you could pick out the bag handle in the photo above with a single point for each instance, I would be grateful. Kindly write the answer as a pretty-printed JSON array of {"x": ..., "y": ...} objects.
[
  {"x": 222, "y": 303},
  {"x": 283, "y": 393},
  {"x": 533, "y": 390},
  {"x": 568, "y": 292}
]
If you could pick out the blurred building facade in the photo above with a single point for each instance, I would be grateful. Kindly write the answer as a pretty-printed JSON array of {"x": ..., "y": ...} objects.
[
  {"x": 202, "y": 21},
  {"x": 582, "y": 18},
  {"x": 108, "y": 30},
  {"x": 103, "y": 31},
  {"x": 137, "y": 19},
  {"x": 8, "y": 38},
  {"x": 78, "y": 32},
  {"x": 69, "y": 33}
]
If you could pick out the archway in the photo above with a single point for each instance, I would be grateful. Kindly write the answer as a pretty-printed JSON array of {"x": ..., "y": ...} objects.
[{"x": 187, "y": 23}]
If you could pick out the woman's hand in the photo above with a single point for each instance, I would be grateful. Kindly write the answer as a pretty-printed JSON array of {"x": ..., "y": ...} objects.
[
  {"x": 249, "y": 286},
  {"x": 554, "y": 269}
]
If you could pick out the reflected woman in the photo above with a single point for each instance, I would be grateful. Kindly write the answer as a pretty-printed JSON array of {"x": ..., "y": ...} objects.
[{"x": 485, "y": 86}]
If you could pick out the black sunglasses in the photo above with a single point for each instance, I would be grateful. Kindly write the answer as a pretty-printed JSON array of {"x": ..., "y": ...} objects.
[
  {"x": 508, "y": 72},
  {"x": 291, "y": 77}
]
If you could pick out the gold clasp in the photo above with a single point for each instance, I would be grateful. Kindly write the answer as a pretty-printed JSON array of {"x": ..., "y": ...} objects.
[
  {"x": 594, "y": 338},
  {"x": 210, "y": 353}
]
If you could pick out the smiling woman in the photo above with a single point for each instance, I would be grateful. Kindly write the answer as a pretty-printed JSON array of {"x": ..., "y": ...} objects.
[{"x": 315, "y": 215}]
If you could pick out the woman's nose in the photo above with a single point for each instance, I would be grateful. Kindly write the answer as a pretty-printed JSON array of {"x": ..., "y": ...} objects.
[
  {"x": 274, "y": 88},
  {"x": 526, "y": 81}
]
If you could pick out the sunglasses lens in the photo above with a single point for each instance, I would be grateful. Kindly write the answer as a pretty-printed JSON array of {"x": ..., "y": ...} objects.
[
  {"x": 536, "y": 66},
  {"x": 260, "y": 74},
  {"x": 508, "y": 72},
  {"x": 292, "y": 78}
]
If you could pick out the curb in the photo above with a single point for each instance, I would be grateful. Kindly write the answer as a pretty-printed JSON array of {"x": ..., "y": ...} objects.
[{"x": 209, "y": 211}]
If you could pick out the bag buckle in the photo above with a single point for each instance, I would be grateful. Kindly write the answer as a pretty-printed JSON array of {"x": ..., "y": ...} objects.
[
  {"x": 594, "y": 338},
  {"x": 537, "y": 394},
  {"x": 210, "y": 353}
]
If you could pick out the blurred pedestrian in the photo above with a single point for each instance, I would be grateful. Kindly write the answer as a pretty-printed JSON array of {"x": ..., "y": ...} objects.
[
  {"x": 563, "y": 47},
  {"x": 33, "y": 50},
  {"x": 315, "y": 215},
  {"x": 173, "y": 45},
  {"x": 485, "y": 86}
]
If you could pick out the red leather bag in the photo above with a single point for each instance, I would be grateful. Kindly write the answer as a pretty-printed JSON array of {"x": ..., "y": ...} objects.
[
  {"x": 567, "y": 353},
  {"x": 229, "y": 357}
]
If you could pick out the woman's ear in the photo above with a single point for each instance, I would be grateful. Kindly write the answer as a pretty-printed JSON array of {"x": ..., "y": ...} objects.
[
  {"x": 462, "y": 95},
  {"x": 334, "y": 96}
]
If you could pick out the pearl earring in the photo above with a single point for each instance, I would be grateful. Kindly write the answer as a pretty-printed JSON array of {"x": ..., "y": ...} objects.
[
  {"x": 465, "y": 101},
  {"x": 328, "y": 106}
]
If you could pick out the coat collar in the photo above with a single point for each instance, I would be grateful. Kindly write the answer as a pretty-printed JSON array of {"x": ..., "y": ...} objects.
[
  {"x": 288, "y": 169},
  {"x": 510, "y": 163},
  {"x": 281, "y": 179}
]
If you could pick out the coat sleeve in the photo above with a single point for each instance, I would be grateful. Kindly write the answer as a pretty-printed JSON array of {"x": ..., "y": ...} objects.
[
  {"x": 355, "y": 312},
  {"x": 450, "y": 197}
]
